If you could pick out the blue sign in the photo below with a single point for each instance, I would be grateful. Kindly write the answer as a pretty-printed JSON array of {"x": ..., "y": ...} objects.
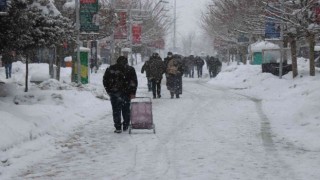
[
  {"x": 243, "y": 39},
  {"x": 3, "y": 5},
  {"x": 272, "y": 28}
]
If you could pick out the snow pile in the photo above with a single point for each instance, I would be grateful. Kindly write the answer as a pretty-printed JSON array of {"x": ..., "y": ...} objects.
[
  {"x": 29, "y": 115},
  {"x": 290, "y": 104},
  {"x": 53, "y": 84},
  {"x": 259, "y": 46}
]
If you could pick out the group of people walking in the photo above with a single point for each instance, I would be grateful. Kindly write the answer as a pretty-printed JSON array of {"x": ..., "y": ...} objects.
[
  {"x": 155, "y": 67},
  {"x": 120, "y": 80}
]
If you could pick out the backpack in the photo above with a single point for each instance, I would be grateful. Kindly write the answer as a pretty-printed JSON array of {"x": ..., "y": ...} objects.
[
  {"x": 114, "y": 80},
  {"x": 172, "y": 67}
]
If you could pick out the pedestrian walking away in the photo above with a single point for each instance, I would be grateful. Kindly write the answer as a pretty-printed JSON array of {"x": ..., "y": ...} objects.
[
  {"x": 174, "y": 71},
  {"x": 199, "y": 63},
  {"x": 7, "y": 59},
  {"x": 120, "y": 81},
  {"x": 146, "y": 69},
  {"x": 156, "y": 68}
]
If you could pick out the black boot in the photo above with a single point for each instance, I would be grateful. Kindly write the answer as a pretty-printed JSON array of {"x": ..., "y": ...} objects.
[{"x": 172, "y": 94}]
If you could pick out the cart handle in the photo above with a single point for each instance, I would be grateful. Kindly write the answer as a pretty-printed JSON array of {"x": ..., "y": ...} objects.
[{"x": 142, "y": 98}]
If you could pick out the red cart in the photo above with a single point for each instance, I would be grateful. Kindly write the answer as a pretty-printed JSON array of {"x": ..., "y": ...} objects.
[{"x": 141, "y": 114}]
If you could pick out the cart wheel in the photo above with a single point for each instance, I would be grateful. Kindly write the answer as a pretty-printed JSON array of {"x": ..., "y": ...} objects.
[{"x": 154, "y": 128}]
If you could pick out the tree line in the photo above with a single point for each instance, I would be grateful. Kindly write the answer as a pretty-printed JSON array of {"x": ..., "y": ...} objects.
[{"x": 226, "y": 20}]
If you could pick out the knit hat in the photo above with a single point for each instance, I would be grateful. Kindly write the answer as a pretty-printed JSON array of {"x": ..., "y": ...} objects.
[{"x": 122, "y": 60}]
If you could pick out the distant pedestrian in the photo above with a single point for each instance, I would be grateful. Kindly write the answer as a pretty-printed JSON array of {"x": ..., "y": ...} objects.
[
  {"x": 120, "y": 82},
  {"x": 174, "y": 72},
  {"x": 214, "y": 66},
  {"x": 199, "y": 63},
  {"x": 145, "y": 68},
  {"x": 156, "y": 67},
  {"x": 190, "y": 64},
  {"x": 7, "y": 59}
]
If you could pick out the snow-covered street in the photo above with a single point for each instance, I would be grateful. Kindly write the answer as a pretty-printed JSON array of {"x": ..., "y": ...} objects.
[{"x": 212, "y": 132}]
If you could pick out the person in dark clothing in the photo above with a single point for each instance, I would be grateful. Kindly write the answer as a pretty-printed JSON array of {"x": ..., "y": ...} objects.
[
  {"x": 7, "y": 60},
  {"x": 191, "y": 62},
  {"x": 120, "y": 81},
  {"x": 174, "y": 72},
  {"x": 166, "y": 59},
  {"x": 156, "y": 67},
  {"x": 146, "y": 69},
  {"x": 199, "y": 63},
  {"x": 214, "y": 66},
  {"x": 185, "y": 66}
]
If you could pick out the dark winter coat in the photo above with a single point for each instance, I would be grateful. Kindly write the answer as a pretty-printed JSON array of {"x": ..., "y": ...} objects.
[
  {"x": 174, "y": 81},
  {"x": 191, "y": 62},
  {"x": 156, "y": 68},
  {"x": 166, "y": 60},
  {"x": 120, "y": 79},
  {"x": 199, "y": 62},
  {"x": 146, "y": 69},
  {"x": 7, "y": 58}
]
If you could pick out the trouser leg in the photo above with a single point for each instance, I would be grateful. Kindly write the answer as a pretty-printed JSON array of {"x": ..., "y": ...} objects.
[
  {"x": 154, "y": 87},
  {"x": 116, "y": 103},
  {"x": 149, "y": 85},
  {"x": 126, "y": 111},
  {"x": 7, "y": 70},
  {"x": 159, "y": 88},
  {"x": 10, "y": 68}
]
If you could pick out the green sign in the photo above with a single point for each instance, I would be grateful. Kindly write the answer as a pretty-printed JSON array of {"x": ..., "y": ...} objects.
[
  {"x": 89, "y": 18},
  {"x": 84, "y": 56}
]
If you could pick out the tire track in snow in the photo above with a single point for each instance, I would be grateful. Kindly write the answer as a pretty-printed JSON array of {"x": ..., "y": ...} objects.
[{"x": 266, "y": 136}]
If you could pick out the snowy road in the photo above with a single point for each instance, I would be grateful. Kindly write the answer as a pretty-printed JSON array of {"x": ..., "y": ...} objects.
[{"x": 209, "y": 133}]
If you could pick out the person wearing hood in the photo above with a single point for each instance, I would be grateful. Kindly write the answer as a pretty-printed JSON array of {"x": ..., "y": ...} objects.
[
  {"x": 120, "y": 81},
  {"x": 156, "y": 68},
  {"x": 145, "y": 68},
  {"x": 174, "y": 72}
]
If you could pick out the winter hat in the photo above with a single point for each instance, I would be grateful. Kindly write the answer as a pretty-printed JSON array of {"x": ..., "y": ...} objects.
[
  {"x": 170, "y": 53},
  {"x": 122, "y": 60}
]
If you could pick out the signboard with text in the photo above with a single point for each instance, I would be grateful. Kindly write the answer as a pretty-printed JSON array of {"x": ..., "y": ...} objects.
[
  {"x": 136, "y": 34},
  {"x": 89, "y": 18},
  {"x": 121, "y": 31},
  {"x": 272, "y": 29}
]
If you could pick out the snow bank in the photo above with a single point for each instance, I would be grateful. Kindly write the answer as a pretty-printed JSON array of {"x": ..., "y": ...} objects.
[
  {"x": 26, "y": 116},
  {"x": 259, "y": 46},
  {"x": 290, "y": 104}
]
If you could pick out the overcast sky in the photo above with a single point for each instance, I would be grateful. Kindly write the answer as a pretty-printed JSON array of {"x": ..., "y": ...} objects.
[
  {"x": 189, "y": 13},
  {"x": 188, "y": 16}
]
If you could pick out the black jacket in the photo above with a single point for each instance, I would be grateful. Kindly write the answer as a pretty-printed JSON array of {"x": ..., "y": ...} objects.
[
  {"x": 7, "y": 58},
  {"x": 120, "y": 79},
  {"x": 156, "y": 68}
]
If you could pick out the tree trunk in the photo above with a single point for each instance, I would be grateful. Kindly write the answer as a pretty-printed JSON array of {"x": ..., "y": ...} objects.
[
  {"x": 51, "y": 59},
  {"x": 244, "y": 54},
  {"x": 58, "y": 61},
  {"x": 293, "y": 44},
  {"x": 27, "y": 72},
  {"x": 311, "y": 54}
]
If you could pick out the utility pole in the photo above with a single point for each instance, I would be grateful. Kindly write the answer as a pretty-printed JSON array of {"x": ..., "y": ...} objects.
[
  {"x": 174, "y": 25},
  {"x": 281, "y": 42},
  {"x": 112, "y": 45},
  {"x": 77, "y": 4}
]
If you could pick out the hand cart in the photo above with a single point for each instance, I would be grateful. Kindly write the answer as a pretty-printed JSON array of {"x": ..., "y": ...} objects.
[{"x": 141, "y": 114}]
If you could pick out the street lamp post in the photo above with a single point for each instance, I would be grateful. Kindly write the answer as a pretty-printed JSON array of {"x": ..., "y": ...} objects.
[
  {"x": 174, "y": 25},
  {"x": 77, "y": 4}
]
